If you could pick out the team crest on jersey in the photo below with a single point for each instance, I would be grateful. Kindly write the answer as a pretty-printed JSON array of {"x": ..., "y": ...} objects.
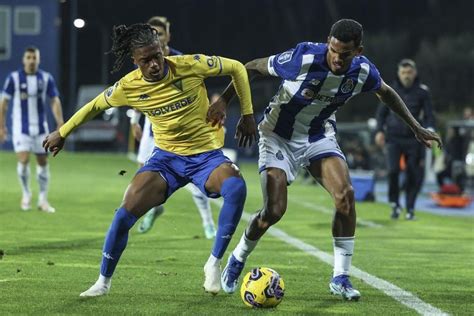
[
  {"x": 308, "y": 94},
  {"x": 23, "y": 96},
  {"x": 285, "y": 57},
  {"x": 40, "y": 84},
  {"x": 347, "y": 86}
]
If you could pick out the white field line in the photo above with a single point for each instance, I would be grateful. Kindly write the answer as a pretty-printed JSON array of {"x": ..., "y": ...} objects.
[
  {"x": 404, "y": 297},
  {"x": 327, "y": 210}
]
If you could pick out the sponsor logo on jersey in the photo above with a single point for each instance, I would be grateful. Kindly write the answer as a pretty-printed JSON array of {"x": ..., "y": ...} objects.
[
  {"x": 285, "y": 57},
  {"x": 172, "y": 107},
  {"x": 347, "y": 86},
  {"x": 109, "y": 92},
  {"x": 308, "y": 94},
  {"x": 314, "y": 82},
  {"x": 211, "y": 62}
]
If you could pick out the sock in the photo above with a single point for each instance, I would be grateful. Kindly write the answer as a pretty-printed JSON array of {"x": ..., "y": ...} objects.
[
  {"x": 104, "y": 280},
  {"x": 116, "y": 240},
  {"x": 204, "y": 207},
  {"x": 42, "y": 175},
  {"x": 213, "y": 261},
  {"x": 343, "y": 250},
  {"x": 23, "y": 171},
  {"x": 233, "y": 191},
  {"x": 244, "y": 248}
]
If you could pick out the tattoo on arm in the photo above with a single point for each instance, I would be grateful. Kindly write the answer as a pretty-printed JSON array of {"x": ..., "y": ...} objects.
[{"x": 388, "y": 96}]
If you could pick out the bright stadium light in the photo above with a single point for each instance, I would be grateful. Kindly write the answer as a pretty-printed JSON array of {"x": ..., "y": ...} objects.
[{"x": 79, "y": 23}]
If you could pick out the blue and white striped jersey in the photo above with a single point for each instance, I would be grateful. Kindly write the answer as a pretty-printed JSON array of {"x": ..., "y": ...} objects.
[
  {"x": 28, "y": 94},
  {"x": 310, "y": 94}
]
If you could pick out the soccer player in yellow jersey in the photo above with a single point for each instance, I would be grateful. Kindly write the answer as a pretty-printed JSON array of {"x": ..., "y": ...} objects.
[{"x": 171, "y": 93}]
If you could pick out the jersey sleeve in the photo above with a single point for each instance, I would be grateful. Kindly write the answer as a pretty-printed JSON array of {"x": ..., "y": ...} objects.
[
  {"x": 211, "y": 66},
  {"x": 206, "y": 66},
  {"x": 374, "y": 80},
  {"x": 113, "y": 96},
  {"x": 287, "y": 65},
  {"x": 8, "y": 88},
  {"x": 52, "y": 90}
]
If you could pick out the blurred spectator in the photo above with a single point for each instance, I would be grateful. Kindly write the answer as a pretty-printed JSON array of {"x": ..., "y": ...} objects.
[
  {"x": 400, "y": 139},
  {"x": 468, "y": 114}
]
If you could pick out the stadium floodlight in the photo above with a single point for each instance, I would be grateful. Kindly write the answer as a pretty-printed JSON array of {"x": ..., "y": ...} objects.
[{"x": 79, "y": 23}]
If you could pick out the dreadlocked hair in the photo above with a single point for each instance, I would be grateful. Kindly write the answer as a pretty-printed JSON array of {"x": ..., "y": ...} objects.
[{"x": 127, "y": 38}]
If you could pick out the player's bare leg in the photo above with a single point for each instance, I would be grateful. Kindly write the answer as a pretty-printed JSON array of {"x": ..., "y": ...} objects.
[
  {"x": 227, "y": 181},
  {"x": 333, "y": 174},
  {"x": 274, "y": 188},
  {"x": 150, "y": 216},
  {"x": 42, "y": 175},
  {"x": 23, "y": 171},
  {"x": 146, "y": 190}
]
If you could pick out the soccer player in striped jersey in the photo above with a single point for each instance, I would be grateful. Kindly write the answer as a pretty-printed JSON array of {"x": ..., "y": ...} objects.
[
  {"x": 147, "y": 144},
  {"x": 298, "y": 129},
  {"x": 170, "y": 91},
  {"x": 27, "y": 90}
]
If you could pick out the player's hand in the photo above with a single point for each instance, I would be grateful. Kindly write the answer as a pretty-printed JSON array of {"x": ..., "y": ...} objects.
[
  {"x": 137, "y": 131},
  {"x": 216, "y": 113},
  {"x": 246, "y": 130},
  {"x": 3, "y": 135},
  {"x": 425, "y": 136},
  {"x": 380, "y": 139},
  {"x": 53, "y": 143}
]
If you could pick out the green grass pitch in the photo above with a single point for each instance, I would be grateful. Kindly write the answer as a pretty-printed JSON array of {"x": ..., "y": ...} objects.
[{"x": 50, "y": 258}]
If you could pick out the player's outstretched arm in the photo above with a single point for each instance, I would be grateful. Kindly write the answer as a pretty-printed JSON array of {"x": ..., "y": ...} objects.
[
  {"x": 246, "y": 128},
  {"x": 54, "y": 142},
  {"x": 391, "y": 98},
  {"x": 255, "y": 68}
]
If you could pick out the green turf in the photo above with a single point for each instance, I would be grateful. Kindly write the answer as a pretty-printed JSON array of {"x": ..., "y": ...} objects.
[{"x": 50, "y": 258}]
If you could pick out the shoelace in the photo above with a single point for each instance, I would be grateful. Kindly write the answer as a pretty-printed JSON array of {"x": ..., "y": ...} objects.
[{"x": 234, "y": 269}]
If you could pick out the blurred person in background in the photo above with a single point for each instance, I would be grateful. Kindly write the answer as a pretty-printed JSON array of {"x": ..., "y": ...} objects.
[
  {"x": 28, "y": 90},
  {"x": 399, "y": 139},
  {"x": 147, "y": 144}
]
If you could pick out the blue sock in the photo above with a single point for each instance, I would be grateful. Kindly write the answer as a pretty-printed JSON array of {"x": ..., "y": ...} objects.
[
  {"x": 233, "y": 191},
  {"x": 116, "y": 240}
]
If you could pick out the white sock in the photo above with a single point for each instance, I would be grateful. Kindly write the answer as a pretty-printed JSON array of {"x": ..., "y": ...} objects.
[
  {"x": 42, "y": 175},
  {"x": 343, "y": 250},
  {"x": 23, "y": 171},
  {"x": 244, "y": 248},
  {"x": 203, "y": 205},
  {"x": 213, "y": 261},
  {"x": 104, "y": 280}
]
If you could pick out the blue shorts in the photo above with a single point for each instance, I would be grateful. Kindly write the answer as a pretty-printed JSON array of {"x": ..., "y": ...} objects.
[{"x": 179, "y": 170}]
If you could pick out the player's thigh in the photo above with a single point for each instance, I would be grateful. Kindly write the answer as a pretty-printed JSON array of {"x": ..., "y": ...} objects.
[
  {"x": 219, "y": 175},
  {"x": 274, "y": 183},
  {"x": 147, "y": 189},
  {"x": 332, "y": 173}
]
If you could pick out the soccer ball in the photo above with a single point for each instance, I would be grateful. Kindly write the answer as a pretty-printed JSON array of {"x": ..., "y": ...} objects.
[{"x": 262, "y": 287}]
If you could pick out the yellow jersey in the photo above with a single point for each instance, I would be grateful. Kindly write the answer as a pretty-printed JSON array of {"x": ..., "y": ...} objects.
[{"x": 176, "y": 105}]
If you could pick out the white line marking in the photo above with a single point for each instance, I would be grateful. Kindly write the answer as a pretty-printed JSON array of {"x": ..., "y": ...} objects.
[
  {"x": 327, "y": 210},
  {"x": 404, "y": 297}
]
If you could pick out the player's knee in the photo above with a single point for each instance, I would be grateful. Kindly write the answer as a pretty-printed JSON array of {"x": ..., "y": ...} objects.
[
  {"x": 344, "y": 200},
  {"x": 234, "y": 190},
  {"x": 273, "y": 212}
]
